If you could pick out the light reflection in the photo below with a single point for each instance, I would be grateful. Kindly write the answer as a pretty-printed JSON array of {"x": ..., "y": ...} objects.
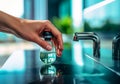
[
  {"x": 96, "y": 6},
  {"x": 77, "y": 13},
  {"x": 77, "y": 53},
  {"x": 48, "y": 70},
  {"x": 16, "y": 62},
  {"x": 47, "y": 74}
]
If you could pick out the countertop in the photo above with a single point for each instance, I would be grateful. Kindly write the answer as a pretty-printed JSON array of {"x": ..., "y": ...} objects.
[{"x": 74, "y": 67}]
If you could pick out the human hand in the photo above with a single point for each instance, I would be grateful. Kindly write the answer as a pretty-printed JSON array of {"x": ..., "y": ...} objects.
[{"x": 31, "y": 30}]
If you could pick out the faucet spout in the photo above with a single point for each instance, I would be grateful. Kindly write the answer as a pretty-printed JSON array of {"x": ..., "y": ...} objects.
[{"x": 89, "y": 36}]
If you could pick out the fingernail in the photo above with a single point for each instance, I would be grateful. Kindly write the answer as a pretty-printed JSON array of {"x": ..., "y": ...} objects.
[
  {"x": 59, "y": 54},
  {"x": 49, "y": 47}
]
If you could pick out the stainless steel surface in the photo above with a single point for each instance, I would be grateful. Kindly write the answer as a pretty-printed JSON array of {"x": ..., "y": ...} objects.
[
  {"x": 116, "y": 47},
  {"x": 90, "y": 36}
]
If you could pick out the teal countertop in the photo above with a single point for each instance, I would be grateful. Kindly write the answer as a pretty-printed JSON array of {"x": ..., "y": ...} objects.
[{"x": 76, "y": 66}]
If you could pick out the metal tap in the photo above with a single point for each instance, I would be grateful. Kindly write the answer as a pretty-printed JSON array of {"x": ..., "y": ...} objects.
[
  {"x": 116, "y": 47},
  {"x": 89, "y": 36}
]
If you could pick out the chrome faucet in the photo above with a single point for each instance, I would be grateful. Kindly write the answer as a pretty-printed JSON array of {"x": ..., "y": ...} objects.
[
  {"x": 116, "y": 47},
  {"x": 89, "y": 36}
]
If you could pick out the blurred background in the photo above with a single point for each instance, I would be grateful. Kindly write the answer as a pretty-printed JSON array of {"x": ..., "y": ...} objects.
[{"x": 69, "y": 16}]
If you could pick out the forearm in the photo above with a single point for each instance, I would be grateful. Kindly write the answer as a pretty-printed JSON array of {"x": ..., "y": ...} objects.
[{"x": 9, "y": 23}]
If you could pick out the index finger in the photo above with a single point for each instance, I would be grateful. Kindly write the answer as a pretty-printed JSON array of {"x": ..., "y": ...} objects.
[{"x": 56, "y": 33}]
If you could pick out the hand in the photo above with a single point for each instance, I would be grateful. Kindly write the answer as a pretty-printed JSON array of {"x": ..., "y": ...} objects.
[{"x": 31, "y": 30}]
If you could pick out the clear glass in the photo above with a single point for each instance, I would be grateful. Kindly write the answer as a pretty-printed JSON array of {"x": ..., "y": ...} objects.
[{"x": 48, "y": 57}]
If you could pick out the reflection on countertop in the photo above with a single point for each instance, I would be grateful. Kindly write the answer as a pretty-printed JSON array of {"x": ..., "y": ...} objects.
[
  {"x": 25, "y": 67},
  {"x": 77, "y": 65}
]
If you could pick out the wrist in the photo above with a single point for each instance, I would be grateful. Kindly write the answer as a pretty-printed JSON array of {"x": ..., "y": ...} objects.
[{"x": 10, "y": 21}]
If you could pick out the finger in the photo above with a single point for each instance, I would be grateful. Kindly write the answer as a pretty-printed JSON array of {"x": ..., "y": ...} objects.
[
  {"x": 57, "y": 35},
  {"x": 59, "y": 51},
  {"x": 42, "y": 43},
  {"x": 59, "y": 43},
  {"x": 56, "y": 47}
]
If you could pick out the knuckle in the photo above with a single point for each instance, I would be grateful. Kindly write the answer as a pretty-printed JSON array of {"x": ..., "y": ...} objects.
[{"x": 47, "y": 22}]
